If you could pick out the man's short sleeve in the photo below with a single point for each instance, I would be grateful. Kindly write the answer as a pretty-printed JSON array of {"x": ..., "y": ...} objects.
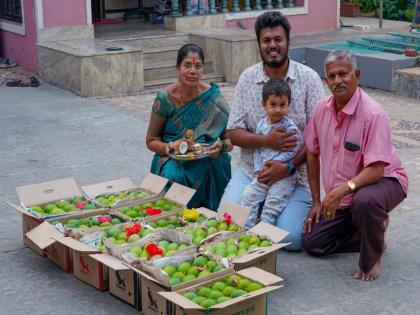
[
  {"x": 377, "y": 146},
  {"x": 237, "y": 112},
  {"x": 310, "y": 135}
]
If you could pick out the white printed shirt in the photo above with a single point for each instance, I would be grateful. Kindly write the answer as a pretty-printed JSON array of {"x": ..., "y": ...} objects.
[{"x": 247, "y": 110}]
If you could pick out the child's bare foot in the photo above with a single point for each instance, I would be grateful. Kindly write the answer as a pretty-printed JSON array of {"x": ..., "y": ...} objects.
[{"x": 371, "y": 274}]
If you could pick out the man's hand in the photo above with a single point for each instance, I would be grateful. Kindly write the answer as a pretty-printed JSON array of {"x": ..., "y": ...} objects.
[
  {"x": 272, "y": 172},
  {"x": 313, "y": 216},
  {"x": 281, "y": 140},
  {"x": 331, "y": 201}
]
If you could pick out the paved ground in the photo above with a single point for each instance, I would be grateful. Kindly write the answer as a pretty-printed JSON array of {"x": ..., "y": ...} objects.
[{"x": 48, "y": 133}]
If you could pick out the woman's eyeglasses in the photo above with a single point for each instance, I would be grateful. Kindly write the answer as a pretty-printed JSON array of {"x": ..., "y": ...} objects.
[{"x": 189, "y": 66}]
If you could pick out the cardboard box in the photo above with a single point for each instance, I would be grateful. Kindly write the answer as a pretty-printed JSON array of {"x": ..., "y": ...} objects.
[
  {"x": 177, "y": 194},
  {"x": 61, "y": 255},
  {"x": 250, "y": 303},
  {"x": 123, "y": 282},
  {"x": 265, "y": 257},
  {"x": 40, "y": 194},
  {"x": 150, "y": 285},
  {"x": 151, "y": 184},
  {"x": 77, "y": 233},
  {"x": 28, "y": 223},
  {"x": 84, "y": 267}
]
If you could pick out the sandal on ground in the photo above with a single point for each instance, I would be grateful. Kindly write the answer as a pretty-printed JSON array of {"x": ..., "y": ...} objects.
[
  {"x": 34, "y": 82},
  {"x": 17, "y": 82},
  {"x": 7, "y": 63}
]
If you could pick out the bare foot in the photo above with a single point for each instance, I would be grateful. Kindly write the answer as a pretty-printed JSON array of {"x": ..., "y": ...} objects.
[{"x": 371, "y": 274}]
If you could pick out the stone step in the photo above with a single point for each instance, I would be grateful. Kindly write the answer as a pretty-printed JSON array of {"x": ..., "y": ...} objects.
[
  {"x": 164, "y": 70},
  {"x": 157, "y": 41},
  {"x": 406, "y": 82},
  {"x": 161, "y": 83},
  {"x": 160, "y": 55}
]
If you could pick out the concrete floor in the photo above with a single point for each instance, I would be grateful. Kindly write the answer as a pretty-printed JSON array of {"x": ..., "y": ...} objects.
[{"x": 48, "y": 133}]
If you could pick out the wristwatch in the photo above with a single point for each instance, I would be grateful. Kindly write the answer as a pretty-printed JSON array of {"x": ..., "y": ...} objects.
[
  {"x": 351, "y": 185},
  {"x": 291, "y": 168}
]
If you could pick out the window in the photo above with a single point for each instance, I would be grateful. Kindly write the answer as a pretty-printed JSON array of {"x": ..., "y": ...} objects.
[{"x": 11, "y": 10}]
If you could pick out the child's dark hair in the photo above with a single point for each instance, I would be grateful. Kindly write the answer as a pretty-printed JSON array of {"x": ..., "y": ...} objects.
[
  {"x": 276, "y": 87},
  {"x": 272, "y": 19},
  {"x": 187, "y": 48}
]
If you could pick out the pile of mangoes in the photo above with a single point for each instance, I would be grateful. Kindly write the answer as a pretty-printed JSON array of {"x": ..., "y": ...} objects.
[
  {"x": 101, "y": 221},
  {"x": 148, "y": 209},
  {"x": 209, "y": 228},
  {"x": 110, "y": 200},
  {"x": 156, "y": 250},
  {"x": 63, "y": 206},
  {"x": 128, "y": 233}
]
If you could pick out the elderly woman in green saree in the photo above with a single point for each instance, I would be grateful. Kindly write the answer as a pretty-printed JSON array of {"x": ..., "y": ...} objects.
[{"x": 191, "y": 111}]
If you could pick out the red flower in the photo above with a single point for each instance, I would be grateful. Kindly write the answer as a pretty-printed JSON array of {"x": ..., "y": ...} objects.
[
  {"x": 132, "y": 229},
  {"x": 227, "y": 217},
  {"x": 104, "y": 219},
  {"x": 81, "y": 204},
  {"x": 153, "y": 211},
  {"x": 153, "y": 249}
]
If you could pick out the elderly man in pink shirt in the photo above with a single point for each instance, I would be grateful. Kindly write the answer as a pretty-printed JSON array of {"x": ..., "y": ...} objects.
[{"x": 349, "y": 134}]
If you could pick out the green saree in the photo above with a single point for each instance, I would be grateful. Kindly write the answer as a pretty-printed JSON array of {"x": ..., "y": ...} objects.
[{"x": 207, "y": 116}]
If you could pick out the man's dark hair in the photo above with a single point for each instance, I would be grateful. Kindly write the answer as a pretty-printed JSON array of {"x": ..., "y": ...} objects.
[
  {"x": 187, "y": 48},
  {"x": 272, "y": 19},
  {"x": 276, "y": 87}
]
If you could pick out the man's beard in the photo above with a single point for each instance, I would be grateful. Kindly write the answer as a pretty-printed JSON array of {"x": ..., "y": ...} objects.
[{"x": 274, "y": 64}]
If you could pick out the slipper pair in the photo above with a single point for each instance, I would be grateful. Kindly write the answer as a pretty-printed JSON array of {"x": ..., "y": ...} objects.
[
  {"x": 33, "y": 82},
  {"x": 7, "y": 63}
]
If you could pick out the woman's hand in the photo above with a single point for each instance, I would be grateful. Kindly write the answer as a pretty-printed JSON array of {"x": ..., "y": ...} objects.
[
  {"x": 173, "y": 147},
  {"x": 215, "y": 150}
]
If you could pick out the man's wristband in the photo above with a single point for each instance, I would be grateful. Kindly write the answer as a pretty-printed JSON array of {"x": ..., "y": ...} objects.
[{"x": 291, "y": 168}]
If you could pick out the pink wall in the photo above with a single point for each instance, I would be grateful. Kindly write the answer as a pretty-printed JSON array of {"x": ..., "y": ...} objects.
[
  {"x": 22, "y": 48},
  {"x": 322, "y": 16},
  {"x": 64, "y": 12}
]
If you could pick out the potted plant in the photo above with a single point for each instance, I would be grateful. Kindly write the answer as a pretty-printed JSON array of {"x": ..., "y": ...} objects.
[{"x": 349, "y": 8}]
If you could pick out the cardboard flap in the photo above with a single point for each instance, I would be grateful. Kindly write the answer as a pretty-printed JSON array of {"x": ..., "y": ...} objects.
[
  {"x": 109, "y": 187},
  {"x": 42, "y": 193},
  {"x": 110, "y": 261},
  {"x": 153, "y": 183},
  {"x": 238, "y": 213},
  {"x": 180, "y": 194},
  {"x": 209, "y": 214},
  {"x": 44, "y": 235},
  {"x": 180, "y": 300},
  {"x": 261, "y": 276},
  {"x": 258, "y": 253},
  {"x": 76, "y": 245},
  {"x": 271, "y": 231},
  {"x": 20, "y": 209},
  {"x": 245, "y": 297}
]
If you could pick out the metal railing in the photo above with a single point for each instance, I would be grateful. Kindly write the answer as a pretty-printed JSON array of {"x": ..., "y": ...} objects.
[{"x": 205, "y": 7}]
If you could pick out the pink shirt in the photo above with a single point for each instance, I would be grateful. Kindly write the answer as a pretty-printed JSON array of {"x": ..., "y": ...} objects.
[{"x": 362, "y": 122}]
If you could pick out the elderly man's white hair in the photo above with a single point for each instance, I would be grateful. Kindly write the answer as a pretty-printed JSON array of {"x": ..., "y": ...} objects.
[{"x": 339, "y": 55}]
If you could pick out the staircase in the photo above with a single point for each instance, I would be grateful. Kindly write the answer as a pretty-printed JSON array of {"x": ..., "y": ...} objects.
[{"x": 159, "y": 59}]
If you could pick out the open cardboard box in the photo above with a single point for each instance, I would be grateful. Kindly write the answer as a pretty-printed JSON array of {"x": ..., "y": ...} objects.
[
  {"x": 119, "y": 249},
  {"x": 123, "y": 280},
  {"x": 41, "y": 194},
  {"x": 238, "y": 215},
  {"x": 263, "y": 257},
  {"x": 153, "y": 281},
  {"x": 250, "y": 303},
  {"x": 84, "y": 267},
  {"x": 177, "y": 194},
  {"x": 151, "y": 185}
]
